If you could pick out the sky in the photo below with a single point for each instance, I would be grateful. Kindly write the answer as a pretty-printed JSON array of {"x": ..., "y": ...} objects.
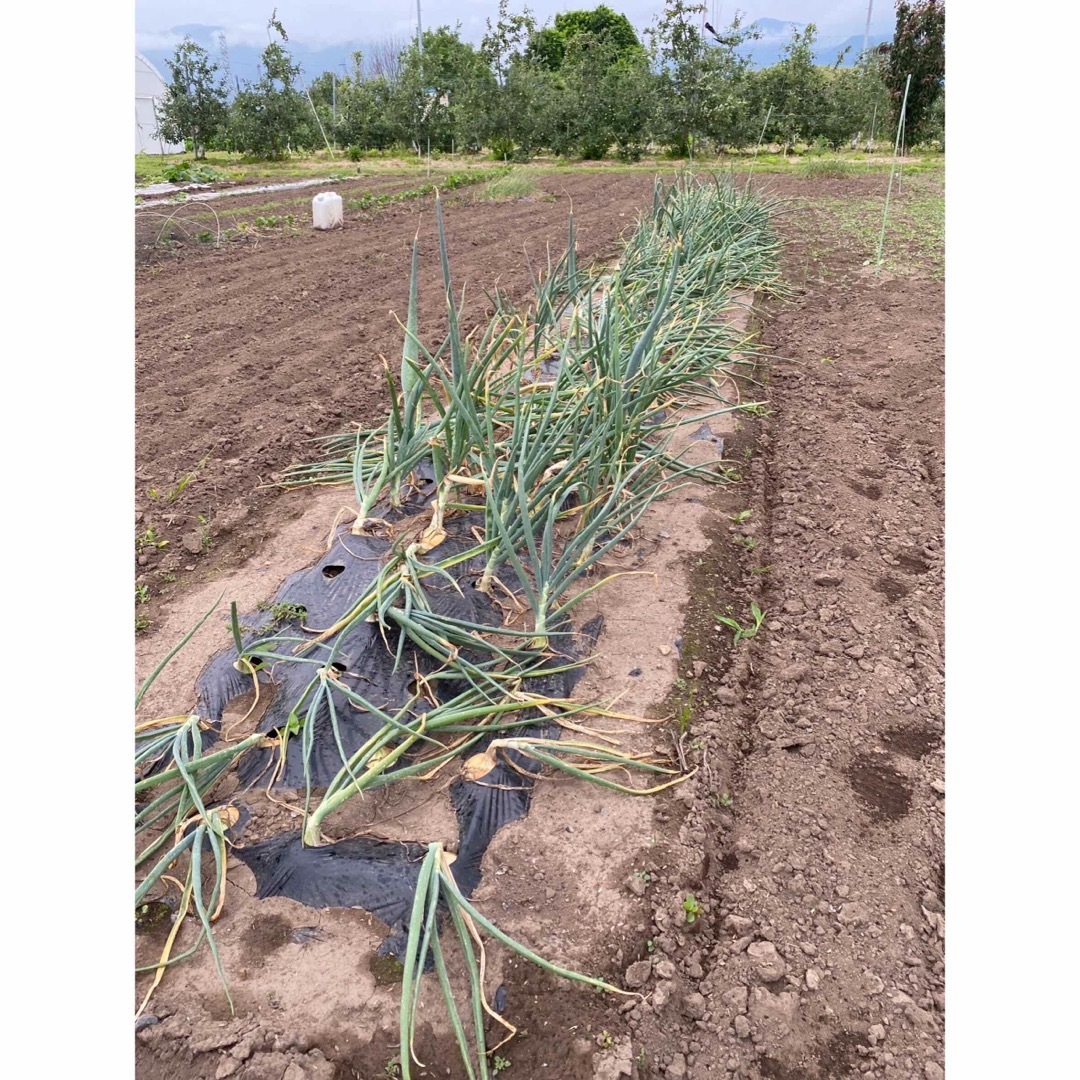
[{"x": 323, "y": 22}]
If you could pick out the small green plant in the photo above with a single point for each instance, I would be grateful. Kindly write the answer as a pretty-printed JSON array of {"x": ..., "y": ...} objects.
[
  {"x": 392, "y": 1068},
  {"x": 755, "y": 408},
  {"x": 725, "y": 800},
  {"x": 285, "y": 612},
  {"x": 141, "y": 623},
  {"x": 740, "y": 632},
  {"x": 606, "y": 1040},
  {"x": 500, "y": 1064},
  {"x": 184, "y": 483},
  {"x": 165, "y": 576},
  {"x": 186, "y": 172},
  {"x": 204, "y": 236},
  {"x": 760, "y": 571},
  {"x": 747, "y": 542},
  {"x": 142, "y": 594},
  {"x": 692, "y": 908},
  {"x": 643, "y": 875},
  {"x": 650, "y": 946},
  {"x": 150, "y": 539},
  {"x": 741, "y": 516},
  {"x": 685, "y": 714}
]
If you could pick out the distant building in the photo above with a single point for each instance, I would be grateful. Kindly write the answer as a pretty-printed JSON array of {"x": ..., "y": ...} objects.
[{"x": 149, "y": 90}]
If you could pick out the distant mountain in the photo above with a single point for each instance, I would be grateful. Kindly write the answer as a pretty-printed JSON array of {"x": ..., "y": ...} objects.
[
  {"x": 776, "y": 33},
  {"x": 244, "y": 59},
  {"x": 313, "y": 60}
]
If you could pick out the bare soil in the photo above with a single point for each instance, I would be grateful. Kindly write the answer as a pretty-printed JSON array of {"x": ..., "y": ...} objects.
[{"x": 808, "y": 843}]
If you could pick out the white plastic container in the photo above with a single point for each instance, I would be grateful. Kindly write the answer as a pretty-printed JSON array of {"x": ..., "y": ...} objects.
[{"x": 326, "y": 210}]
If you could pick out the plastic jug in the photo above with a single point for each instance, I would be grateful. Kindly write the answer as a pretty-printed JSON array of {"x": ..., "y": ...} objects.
[{"x": 326, "y": 210}]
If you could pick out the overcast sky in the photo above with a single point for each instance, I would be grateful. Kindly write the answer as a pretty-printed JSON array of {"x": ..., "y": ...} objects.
[{"x": 323, "y": 22}]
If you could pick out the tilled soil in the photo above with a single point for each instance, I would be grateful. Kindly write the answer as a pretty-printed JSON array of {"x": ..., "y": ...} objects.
[
  {"x": 818, "y": 862},
  {"x": 781, "y": 912},
  {"x": 247, "y": 353}
]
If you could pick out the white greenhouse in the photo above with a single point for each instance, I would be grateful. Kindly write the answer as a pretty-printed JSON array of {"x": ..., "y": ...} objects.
[{"x": 149, "y": 90}]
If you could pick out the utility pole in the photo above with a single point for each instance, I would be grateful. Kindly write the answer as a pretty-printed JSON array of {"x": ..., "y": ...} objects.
[
  {"x": 419, "y": 31},
  {"x": 866, "y": 32}
]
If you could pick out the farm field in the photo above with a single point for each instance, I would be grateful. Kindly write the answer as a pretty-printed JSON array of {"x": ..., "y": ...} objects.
[{"x": 781, "y": 910}]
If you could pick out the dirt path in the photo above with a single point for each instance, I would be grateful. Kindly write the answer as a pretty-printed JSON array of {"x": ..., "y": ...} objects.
[{"x": 819, "y": 857}]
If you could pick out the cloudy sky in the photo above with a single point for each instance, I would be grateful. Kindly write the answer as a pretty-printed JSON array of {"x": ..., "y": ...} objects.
[{"x": 323, "y": 22}]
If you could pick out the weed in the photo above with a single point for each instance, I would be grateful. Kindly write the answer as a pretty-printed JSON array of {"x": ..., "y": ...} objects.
[
  {"x": 692, "y": 908},
  {"x": 741, "y": 516},
  {"x": 204, "y": 236},
  {"x": 643, "y": 875},
  {"x": 685, "y": 713},
  {"x": 760, "y": 571},
  {"x": 205, "y": 537},
  {"x": 149, "y": 539},
  {"x": 514, "y": 184},
  {"x": 747, "y": 542},
  {"x": 823, "y": 168},
  {"x": 285, "y": 612},
  {"x": 186, "y": 172},
  {"x": 500, "y": 1064},
  {"x": 142, "y": 594},
  {"x": 725, "y": 799},
  {"x": 755, "y": 408},
  {"x": 141, "y": 623},
  {"x": 606, "y": 1040},
  {"x": 185, "y": 481},
  {"x": 739, "y": 630},
  {"x": 650, "y": 946},
  {"x": 166, "y": 577}
]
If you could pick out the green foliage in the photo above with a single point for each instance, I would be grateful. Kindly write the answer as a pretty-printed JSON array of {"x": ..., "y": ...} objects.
[
  {"x": 549, "y": 45},
  {"x": 918, "y": 50},
  {"x": 740, "y": 632},
  {"x": 796, "y": 90},
  {"x": 193, "y": 108},
  {"x": 705, "y": 90},
  {"x": 512, "y": 184},
  {"x": 271, "y": 116},
  {"x": 692, "y": 908},
  {"x": 187, "y": 172}
]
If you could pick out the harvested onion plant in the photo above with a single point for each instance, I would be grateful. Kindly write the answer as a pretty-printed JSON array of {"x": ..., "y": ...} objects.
[{"x": 552, "y": 428}]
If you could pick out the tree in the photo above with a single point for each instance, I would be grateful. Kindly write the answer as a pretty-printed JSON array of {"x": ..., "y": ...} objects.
[
  {"x": 702, "y": 81},
  {"x": 548, "y": 46},
  {"x": 918, "y": 50},
  {"x": 795, "y": 88},
  {"x": 502, "y": 48},
  {"x": 442, "y": 87},
  {"x": 194, "y": 104},
  {"x": 271, "y": 116}
]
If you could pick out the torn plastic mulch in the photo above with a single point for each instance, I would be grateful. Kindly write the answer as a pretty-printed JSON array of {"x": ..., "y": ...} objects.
[
  {"x": 376, "y": 875},
  {"x": 359, "y": 656},
  {"x": 380, "y": 875}
]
